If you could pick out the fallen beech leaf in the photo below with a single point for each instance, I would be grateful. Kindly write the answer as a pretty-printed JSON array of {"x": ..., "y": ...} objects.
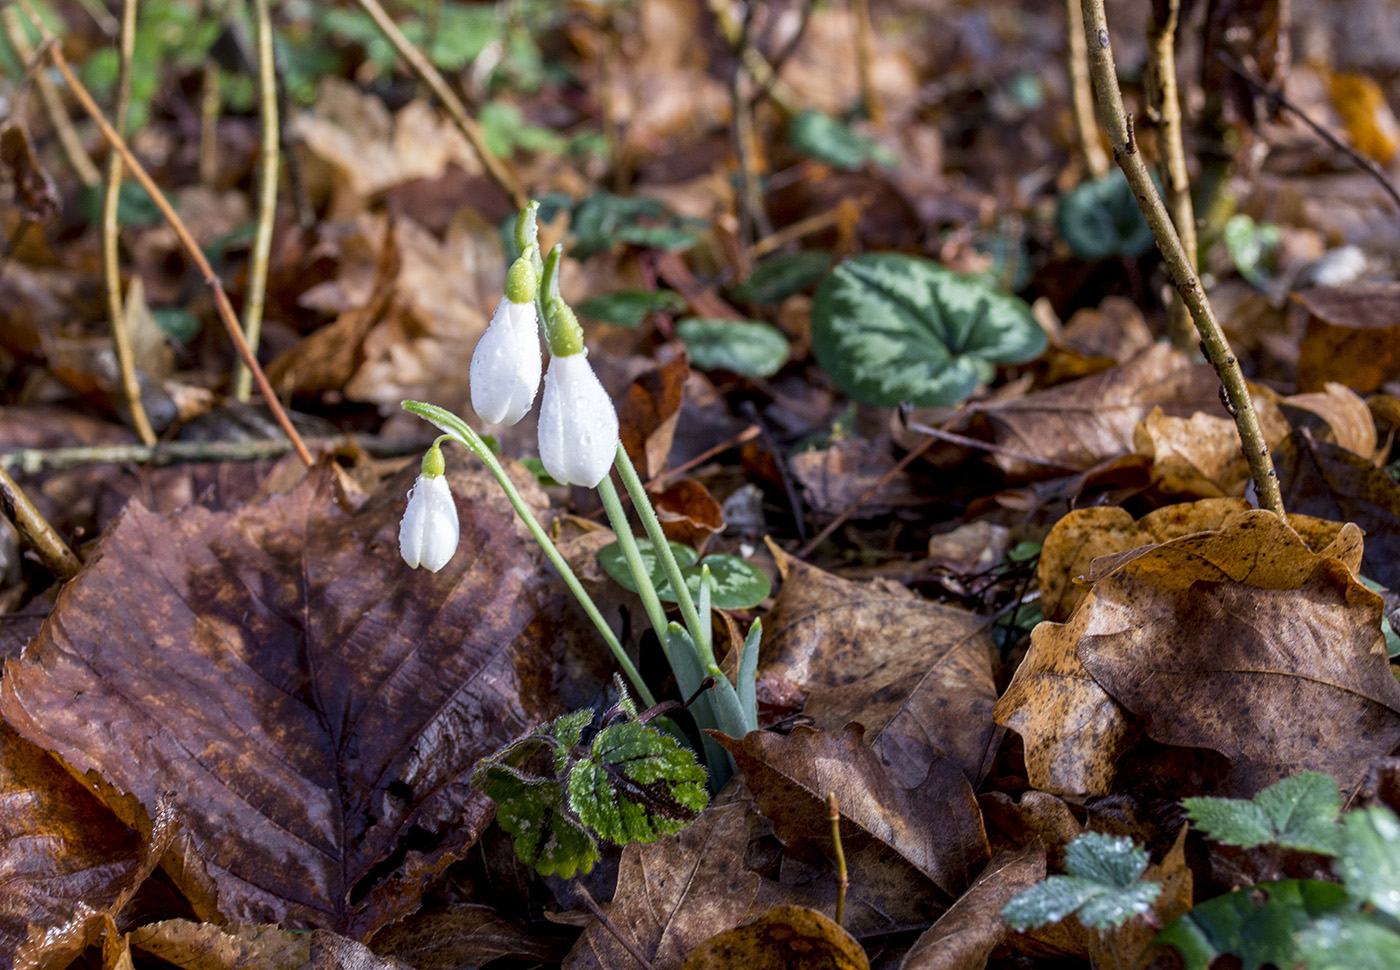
[
  {"x": 835, "y": 478},
  {"x": 1245, "y": 642},
  {"x": 784, "y": 938},
  {"x": 688, "y": 513},
  {"x": 675, "y": 893},
  {"x": 965, "y": 936},
  {"x": 1327, "y": 481},
  {"x": 1347, "y": 417},
  {"x": 1353, "y": 336},
  {"x": 1075, "y": 426},
  {"x": 204, "y": 946},
  {"x": 67, "y": 861},
  {"x": 919, "y": 676},
  {"x": 465, "y": 936},
  {"x": 935, "y": 826},
  {"x": 648, "y": 413},
  {"x": 1200, "y": 456},
  {"x": 315, "y": 706}
]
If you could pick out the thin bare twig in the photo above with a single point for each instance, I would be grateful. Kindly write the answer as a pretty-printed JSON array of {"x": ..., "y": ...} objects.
[
  {"x": 52, "y": 551},
  {"x": 68, "y": 138},
  {"x": 865, "y": 58},
  {"x": 209, "y": 123},
  {"x": 268, "y": 172},
  {"x": 775, "y": 65},
  {"x": 1164, "y": 102},
  {"x": 1278, "y": 99},
  {"x": 1082, "y": 93},
  {"x": 497, "y": 168},
  {"x": 843, "y": 879},
  {"x": 758, "y": 67},
  {"x": 111, "y": 268},
  {"x": 1213, "y": 343},
  {"x": 211, "y": 279},
  {"x": 753, "y": 217}
]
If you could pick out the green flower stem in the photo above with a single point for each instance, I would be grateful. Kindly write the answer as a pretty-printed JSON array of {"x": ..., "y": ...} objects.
[
  {"x": 645, "y": 588},
  {"x": 462, "y": 433},
  {"x": 634, "y": 487}
]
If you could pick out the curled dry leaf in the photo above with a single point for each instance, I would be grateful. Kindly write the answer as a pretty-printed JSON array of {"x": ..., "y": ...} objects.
[
  {"x": 966, "y": 935},
  {"x": 919, "y": 676},
  {"x": 205, "y": 946},
  {"x": 784, "y": 938},
  {"x": 934, "y": 826},
  {"x": 648, "y": 413},
  {"x": 315, "y": 706},
  {"x": 688, "y": 513},
  {"x": 675, "y": 893},
  {"x": 1200, "y": 456},
  {"x": 1347, "y": 417},
  {"x": 1353, "y": 336},
  {"x": 1207, "y": 640},
  {"x": 68, "y": 861}
]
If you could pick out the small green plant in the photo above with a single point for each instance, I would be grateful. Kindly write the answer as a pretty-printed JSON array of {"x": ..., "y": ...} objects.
[
  {"x": 557, "y": 793},
  {"x": 893, "y": 329},
  {"x": 777, "y": 277},
  {"x": 733, "y": 583},
  {"x": 750, "y": 348},
  {"x": 826, "y": 139},
  {"x": 1297, "y": 813},
  {"x": 1100, "y": 218},
  {"x": 1253, "y": 246},
  {"x": 1103, "y": 886}
]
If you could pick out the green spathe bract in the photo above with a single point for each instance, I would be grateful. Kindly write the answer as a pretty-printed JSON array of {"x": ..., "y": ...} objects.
[{"x": 893, "y": 329}]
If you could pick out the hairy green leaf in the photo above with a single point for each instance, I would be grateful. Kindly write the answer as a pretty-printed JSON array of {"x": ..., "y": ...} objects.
[
  {"x": 1299, "y": 812},
  {"x": 1256, "y": 924},
  {"x": 890, "y": 329},
  {"x": 751, "y": 348},
  {"x": 1102, "y": 886},
  {"x": 532, "y": 810},
  {"x": 1349, "y": 941},
  {"x": 638, "y": 785},
  {"x": 1370, "y": 860}
]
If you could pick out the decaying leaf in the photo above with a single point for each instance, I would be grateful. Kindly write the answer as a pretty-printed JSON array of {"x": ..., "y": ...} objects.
[
  {"x": 1347, "y": 418},
  {"x": 204, "y": 946},
  {"x": 919, "y": 676},
  {"x": 784, "y": 938},
  {"x": 1351, "y": 336},
  {"x": 314, "y": 705},
  {"x": 1200, "y": 455}
]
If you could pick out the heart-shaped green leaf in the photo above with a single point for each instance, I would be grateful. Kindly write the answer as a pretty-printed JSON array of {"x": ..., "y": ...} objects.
[
  {"x": 836, "y": 143},
  {"x": 1101, "y": 218},
  {"x": 891, "y": 329},
  {"x": 747, "y": 347},
  {"x": 614, "y": 563},
  {"x": 628, "y": 308},
  {"x": 779, "y": 276},
  {"x": 734, "y": 583}
]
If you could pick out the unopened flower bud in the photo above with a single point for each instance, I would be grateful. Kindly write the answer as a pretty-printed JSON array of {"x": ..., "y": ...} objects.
[
  {"x": 505, "y": 370},
  {"x": 578, "y": 425},
  {"x": 429, "y": 530}
]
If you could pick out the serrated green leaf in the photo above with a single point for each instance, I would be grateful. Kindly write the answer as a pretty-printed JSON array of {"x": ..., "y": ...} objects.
[
  {"x": 628, "y": 308},
  {"x": 1050, "y": 901},
  {"x": 1299, "y": 812},
  {"x": 568, "y": 729},
  {"x": 532, "y": 810},
  {"x": 638, "y": 785},
  {"x": 1370, "y": 859},
  {"x": 1113, "y": 861},
  {"x": 891, "y": 329},
  {"x": 824, "y": 138},
  {"x": 1100, "y": 218},
  {"x": 777, "y": 277},
  {"x": 614, "y": 563},
  {"x": 1349, "y": 941},
  {"x": 1113, "y": 908},
  {"x": 1256, "y": 924},
  {"x": 750, "y": 348}
]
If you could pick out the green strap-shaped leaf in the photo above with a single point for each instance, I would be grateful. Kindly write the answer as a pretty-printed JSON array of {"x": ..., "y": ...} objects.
[
  {"x": 891, "y": 329},
  {"x": 638, "y": 785}
]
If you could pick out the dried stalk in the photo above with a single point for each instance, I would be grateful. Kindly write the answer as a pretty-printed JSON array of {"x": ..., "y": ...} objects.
[
  {"x": 753, "y": 217},
  {"x": 1082, "y": 94},
  {"x": 47, "y": 544},
  {"x": 209, "y": 123},
  {"x": 31, "y": 461},
  {"x": 1188, "y": 284},
  {"x": 268, "y": 169},
  {"x": 843, "y": 879},
  {"x": 495, "y": 167},
  {"x": 1164, "y": 105},
  {"x": 865, "y": 34},
  {"x": 68, "y": 138},
  {"x": 111, "y": 268},
  {"x": 211, "y": 279}
]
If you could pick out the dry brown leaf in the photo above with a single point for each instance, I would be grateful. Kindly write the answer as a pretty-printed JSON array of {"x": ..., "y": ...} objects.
[
  {"x": 688, "y": 513},
  {"x": 1200, "y": 456},
  {"x": 966, "y": 935},
  {"x": 1353, "y": 336},
  {"x": 1346, "y": 415},
  {"x": 648, "y": 411},
  {"x": 784, "y": 938},
  {"x": 935, "y": 826},
  {"x": 315, "y": 706},
  {"x": 675, "y": 893},
  {"x": 464, "y": 936},
  {"x": 204, "y": 946},
  {"x": 919, "y": 676},
  {"x": 835, "y": 479},
  {"x": 1369, "y": 121}
]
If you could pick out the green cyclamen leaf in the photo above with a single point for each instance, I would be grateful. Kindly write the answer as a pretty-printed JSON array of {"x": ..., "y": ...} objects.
[
  {"x": 1370, "y": 859},
  {"x": 735, "y": 584},
  {"x": 891, "y": 329},
  {"x": 1100, "y": 218},
  {"x": 614, "y": 563},
  {"x": 779, "y": 276},
  {"x": 1349, "y": 941},
  {"x": 638, "y": 785},
  {"x": 1299, "y": 812},
  {"x": 628, "y": 308},
  {"x": 532, "y": 810},
  {"x": 751, "y": 348},
  {"x": 834, "y": 142},
  {"x": 1256, "y": 924}
]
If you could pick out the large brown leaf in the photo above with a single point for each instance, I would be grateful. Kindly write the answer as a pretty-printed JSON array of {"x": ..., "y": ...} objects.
[
  {"x": 919, "y": 676},
  {"x": 67, "y": 861},
  {"x": 936, "y": 826},
  {"x": 314, "y": 705}
]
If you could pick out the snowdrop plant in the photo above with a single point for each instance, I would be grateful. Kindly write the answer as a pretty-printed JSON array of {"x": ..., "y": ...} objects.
[
  {"x": 579, "y": 445},
  {"x": 429, "y": 530}
]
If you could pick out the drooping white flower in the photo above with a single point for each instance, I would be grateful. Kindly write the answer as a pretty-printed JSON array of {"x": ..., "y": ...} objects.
[
  {"x": 578, "y": 425},
  {"x": 429, "y": 530},
  {"x": 505, "y": 370}
]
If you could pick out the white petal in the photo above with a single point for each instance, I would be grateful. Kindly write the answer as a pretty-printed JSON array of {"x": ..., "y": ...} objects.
[
  {"x": 428, "y": 532},
  {"x": 578, "y": 425},
  {"x": 505, "y": 369}
]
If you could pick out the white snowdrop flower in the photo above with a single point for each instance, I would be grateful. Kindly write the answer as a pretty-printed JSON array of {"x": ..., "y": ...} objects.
[
  {"x": 429, "y": 530},
  {"x": 505, "y": 370},
  {"x": 578, "y": 425}
]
